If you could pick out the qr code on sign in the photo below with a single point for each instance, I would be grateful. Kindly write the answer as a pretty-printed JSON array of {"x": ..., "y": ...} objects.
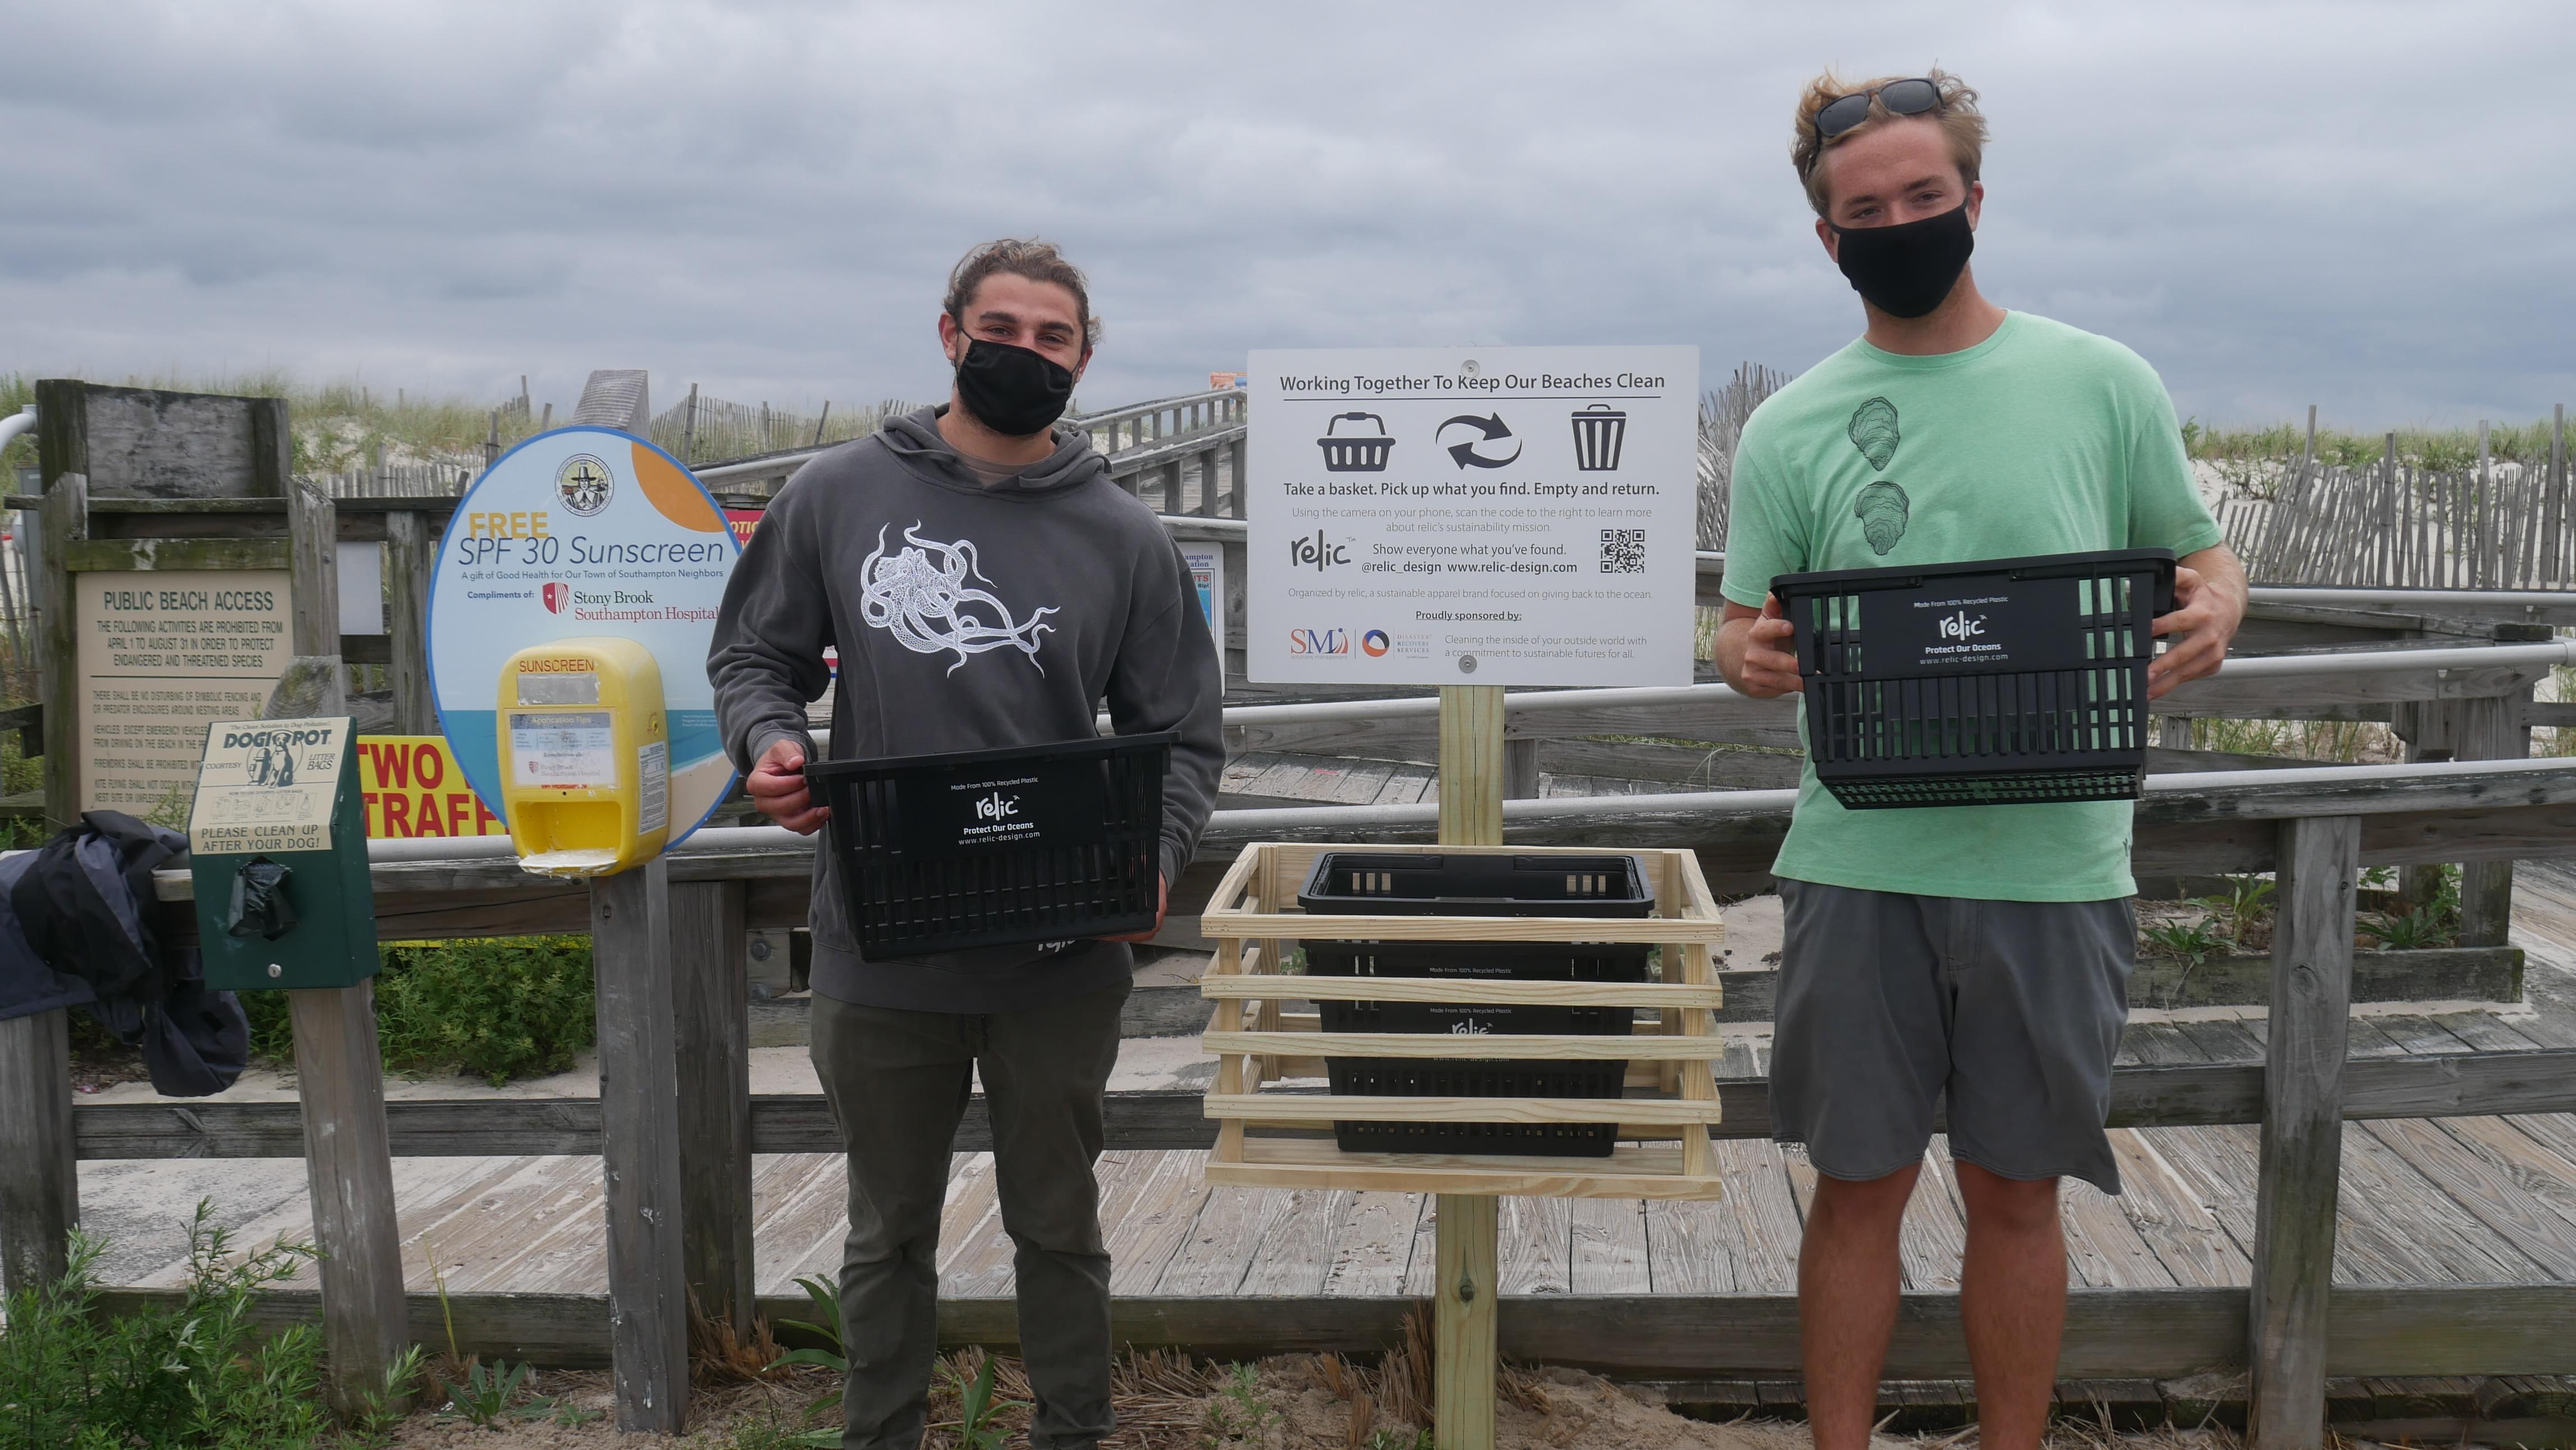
[{"x": 1623, "y": 551}]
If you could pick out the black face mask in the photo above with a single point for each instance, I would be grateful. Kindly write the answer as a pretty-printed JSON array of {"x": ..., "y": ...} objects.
[
  {"x": 1907, "y": 269},
  {"x": 1012, "y": 390}
]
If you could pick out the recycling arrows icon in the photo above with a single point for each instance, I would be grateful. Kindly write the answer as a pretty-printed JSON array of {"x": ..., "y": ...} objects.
[{"x": 1489, "y": 430}]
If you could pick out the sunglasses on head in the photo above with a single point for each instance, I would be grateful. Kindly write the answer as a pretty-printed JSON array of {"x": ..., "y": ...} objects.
[{"x": 1902, "y": 98}]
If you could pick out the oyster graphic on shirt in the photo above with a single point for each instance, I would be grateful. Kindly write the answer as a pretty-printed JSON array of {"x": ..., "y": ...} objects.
[
  {"x": 1873, "y": 431},
  {"x": 1882, "y": 510}
]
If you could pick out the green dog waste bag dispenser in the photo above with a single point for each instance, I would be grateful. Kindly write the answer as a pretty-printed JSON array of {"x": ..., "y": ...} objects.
[{"x": 277, "y": 847}]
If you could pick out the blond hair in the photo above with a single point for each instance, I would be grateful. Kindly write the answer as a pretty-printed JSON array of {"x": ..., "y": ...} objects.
[{"x": 1957, "y": 116}]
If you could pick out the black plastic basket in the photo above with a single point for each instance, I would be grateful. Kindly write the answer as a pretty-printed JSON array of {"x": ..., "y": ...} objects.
[
  {"x": 1476, "y": 885},
  {"x": 2007, "y": 681},
  {"x": 992, "y": 847}
]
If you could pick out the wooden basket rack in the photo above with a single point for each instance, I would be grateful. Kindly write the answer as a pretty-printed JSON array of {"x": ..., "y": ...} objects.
[{"x": 1672, "y": 1089}]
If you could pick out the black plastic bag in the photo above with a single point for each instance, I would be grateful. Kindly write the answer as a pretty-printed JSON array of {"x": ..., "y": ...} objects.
[{"x": 260, "y": 906}]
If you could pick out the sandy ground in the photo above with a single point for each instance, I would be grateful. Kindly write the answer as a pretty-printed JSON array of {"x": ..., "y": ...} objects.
[{"x": 1297, "y": 1402}]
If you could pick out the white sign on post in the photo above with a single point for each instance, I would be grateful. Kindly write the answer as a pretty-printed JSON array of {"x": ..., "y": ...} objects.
[
  {"x": 1472, "y": 516},
  {"x": 1207, "y": 572}
]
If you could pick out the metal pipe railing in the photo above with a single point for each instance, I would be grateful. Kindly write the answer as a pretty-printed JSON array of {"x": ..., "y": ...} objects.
[
  {"x": 2545, "y": 653},
  {"x": 736, "y": 840},
  {"x": 776, "y": 464}
]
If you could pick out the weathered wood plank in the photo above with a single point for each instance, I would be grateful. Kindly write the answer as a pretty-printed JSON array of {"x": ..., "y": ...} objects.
[
  {"x": 40, "y": 1191},
  {"x": 2293, "y": 1259},
  {"x": 711, "y": 993},
  {"x": 410, "y": 557},
  {"x": 340, "y": 1079},
  {"x": 92, "y": 556},
  {"x": 65, "y": 523},
  {"x": 640, "y": 1141},
  {"x": 2151, "y": 1333},
  {"x": 2465, "y": 1084}
]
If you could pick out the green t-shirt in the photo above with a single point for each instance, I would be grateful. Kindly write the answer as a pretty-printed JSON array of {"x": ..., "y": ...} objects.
[{"x": 2042, "y": 439}]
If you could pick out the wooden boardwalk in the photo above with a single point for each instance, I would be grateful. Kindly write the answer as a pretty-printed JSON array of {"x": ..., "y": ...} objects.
[{"x": 2424, "y": 1202}]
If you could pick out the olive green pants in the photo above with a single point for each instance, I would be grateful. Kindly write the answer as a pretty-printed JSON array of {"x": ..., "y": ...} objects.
[{"x": 898, "y": 1083}]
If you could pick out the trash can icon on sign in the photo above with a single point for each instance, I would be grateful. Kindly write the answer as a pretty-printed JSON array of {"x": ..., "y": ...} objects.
[
  {"x": 1354, "y": 451},
  {"x": 1600, "y": 431}
]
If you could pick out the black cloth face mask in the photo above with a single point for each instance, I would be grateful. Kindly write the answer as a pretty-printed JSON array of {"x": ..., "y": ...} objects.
[
  {"x": 1012, "y": 390},
  {"x": 1907, "y": 269}
]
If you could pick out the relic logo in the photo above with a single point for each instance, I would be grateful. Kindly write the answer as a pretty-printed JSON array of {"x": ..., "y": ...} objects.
[
  {"x": 997, "y": 807},
  {"x": 556, "y": 597},
  {"x": 1470, "y": 1028},
  {"x": 1317, "y": 553},
  {"x": 1962, "y": 625}
]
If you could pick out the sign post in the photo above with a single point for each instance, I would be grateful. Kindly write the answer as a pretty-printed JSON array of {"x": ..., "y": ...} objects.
[
  {"x": 1472, "y": 518},
  {"x": 598, "y": 542}
]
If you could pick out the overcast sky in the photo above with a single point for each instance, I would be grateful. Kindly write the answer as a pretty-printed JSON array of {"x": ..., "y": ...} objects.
[{"x": 2365, "y": 206}]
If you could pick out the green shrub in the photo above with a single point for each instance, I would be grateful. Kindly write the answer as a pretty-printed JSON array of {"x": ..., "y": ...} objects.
[
  {"x": 197, "y": 1374},
  {"x": 497, "y": 1009}
]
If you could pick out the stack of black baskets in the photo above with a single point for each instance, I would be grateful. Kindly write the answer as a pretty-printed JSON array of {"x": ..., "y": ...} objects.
[
  {"x": 1358, "y": 882},
  {"x": 2003, "y": 682}
]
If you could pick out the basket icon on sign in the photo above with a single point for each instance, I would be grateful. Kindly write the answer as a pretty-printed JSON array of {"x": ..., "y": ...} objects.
[
  {"x": 1600, "y": 431},
  {"x": 1354, "y": 452}
]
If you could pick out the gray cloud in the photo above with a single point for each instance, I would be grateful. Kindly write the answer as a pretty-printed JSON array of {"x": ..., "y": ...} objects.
[{"x": 2350, "y": 204}]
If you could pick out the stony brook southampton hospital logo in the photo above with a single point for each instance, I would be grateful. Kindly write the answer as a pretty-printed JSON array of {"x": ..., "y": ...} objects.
[
  {"x": 557, "y": 596},
  {"x": 584, "y": 484}
]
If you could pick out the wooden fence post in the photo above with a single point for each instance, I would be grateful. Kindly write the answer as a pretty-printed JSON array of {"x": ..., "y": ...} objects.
[
  {"x": 339, "y": 1067},
  {"x": 65, "y": 521},
  {"x": 40, "y": 1192},
  {"x": 1465, "y": 1298},
  {"x": 1520, "y": 769},
  {"x": 2493, "y": 728},
  {"x": 2302, "y": 1136},
  {"x": 712, "y": 992},
  {"x": 639, "y": 1144},
  {"x": 409, "y": 558}
]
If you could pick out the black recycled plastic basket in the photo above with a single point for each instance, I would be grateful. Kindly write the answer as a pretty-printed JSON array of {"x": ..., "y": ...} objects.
[
  {"x": 993, "y": 847},
  {"x": 1476, "y": 885},
  {"x": 2007, "y": 681},
  {"x": 1355, "y": 452}
]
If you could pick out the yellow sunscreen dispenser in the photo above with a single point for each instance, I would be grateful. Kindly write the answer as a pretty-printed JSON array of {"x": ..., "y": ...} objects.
[{"x": 585, "y": 756}]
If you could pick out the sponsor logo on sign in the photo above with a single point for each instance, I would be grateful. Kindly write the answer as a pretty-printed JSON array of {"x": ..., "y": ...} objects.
[
  {"x": 1318, "y": 552},
  {"x": 1470, "y": 1029},
  {"x": 556, "y": 596},
  {"x": 1963, "y": 625},
  {"x": 997, "y": 807},
  {"x": 1319, "y": 641},
  {"x": 1375, "y": 643},
  {"x": 584, "y": 484}
]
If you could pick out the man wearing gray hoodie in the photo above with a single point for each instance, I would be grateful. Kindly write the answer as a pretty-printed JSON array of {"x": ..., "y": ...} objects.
[{"x": 986, "y": 586}]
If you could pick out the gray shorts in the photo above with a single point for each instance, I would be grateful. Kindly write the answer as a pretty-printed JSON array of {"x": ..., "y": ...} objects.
[{"x": 2012, "y": 1008}]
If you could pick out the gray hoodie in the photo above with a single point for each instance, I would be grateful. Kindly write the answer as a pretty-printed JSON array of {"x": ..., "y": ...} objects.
[{"x": 1023, "y": 605}]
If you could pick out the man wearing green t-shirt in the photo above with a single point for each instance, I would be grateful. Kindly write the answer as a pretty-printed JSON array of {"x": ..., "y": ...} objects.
[{"x": 1977, "y": 953}]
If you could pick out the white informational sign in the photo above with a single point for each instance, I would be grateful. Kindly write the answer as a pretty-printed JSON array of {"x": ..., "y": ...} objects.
[
  {"x": 162, "y": 653},
  {"x": 577, "y": 533},
  {"x": 1207, "y": 572},
  {"x": 1472, "y": 516},
  {"x": 268, "y": 785}
]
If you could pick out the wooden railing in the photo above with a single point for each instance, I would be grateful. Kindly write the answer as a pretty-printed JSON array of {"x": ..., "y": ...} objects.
[
  {"x": 1160, "y": 439},
  {"x": 2316, "y": 828}
]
